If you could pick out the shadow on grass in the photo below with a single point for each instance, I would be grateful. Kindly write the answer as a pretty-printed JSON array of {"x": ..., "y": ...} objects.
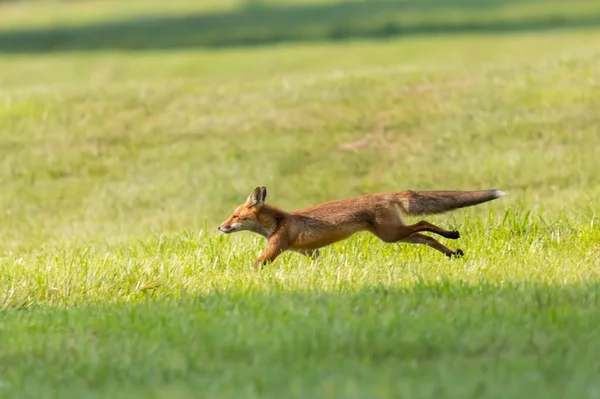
[
  {"x": 261, "y": 338},
  {"x": 256, "y": 24}
]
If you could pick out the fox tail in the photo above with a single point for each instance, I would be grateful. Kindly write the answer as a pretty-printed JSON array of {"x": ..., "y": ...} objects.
[{"x": 416, "y": 203}]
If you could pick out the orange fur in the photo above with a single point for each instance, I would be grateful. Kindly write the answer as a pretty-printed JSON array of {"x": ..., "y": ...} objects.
[{"x": 306, "y": 230}]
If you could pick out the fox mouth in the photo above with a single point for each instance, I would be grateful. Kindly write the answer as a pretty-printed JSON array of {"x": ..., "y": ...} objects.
[{"x": 225, "y": 229}]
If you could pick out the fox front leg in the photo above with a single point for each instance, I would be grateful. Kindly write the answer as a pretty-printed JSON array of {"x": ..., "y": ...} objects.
[
  {"x": 266, "y": 258},
  {"x": 277, "y": 244}
]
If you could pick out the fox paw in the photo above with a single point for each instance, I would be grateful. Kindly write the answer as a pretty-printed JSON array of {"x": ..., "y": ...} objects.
[
  {"x": 454, "y": 234},
  {"x": 456, "y": 254},
  {"x": 257, "y": 266}
]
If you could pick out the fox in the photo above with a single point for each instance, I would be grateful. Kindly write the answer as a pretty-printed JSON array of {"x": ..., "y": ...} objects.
[{"x": 306, "y": 231}]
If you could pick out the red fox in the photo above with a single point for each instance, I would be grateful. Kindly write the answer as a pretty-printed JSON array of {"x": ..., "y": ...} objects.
[{"x": 306, "y": 230}]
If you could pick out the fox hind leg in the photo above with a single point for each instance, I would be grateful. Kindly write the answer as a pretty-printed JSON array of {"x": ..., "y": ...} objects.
[
  {"x": 433, "y": 243},
  {"x": 426, "y": 226},
  {"x": 389, "y": 227}
]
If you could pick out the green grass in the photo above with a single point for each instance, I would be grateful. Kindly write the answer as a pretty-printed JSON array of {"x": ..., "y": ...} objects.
[{"x": 116, "y": 167}]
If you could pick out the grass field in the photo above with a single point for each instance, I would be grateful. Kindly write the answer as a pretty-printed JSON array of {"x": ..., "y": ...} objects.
[{"x": 129, "y": 131}]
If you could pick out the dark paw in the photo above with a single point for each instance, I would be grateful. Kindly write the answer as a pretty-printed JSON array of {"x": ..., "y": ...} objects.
[
  {"x": 454, "y": 234},
  {"x": 456, "y": 254}
]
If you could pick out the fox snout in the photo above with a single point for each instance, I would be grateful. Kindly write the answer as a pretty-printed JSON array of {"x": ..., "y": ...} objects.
[
  {"x": 229, "y": 227},
  {"x": 224, "y": 228}
]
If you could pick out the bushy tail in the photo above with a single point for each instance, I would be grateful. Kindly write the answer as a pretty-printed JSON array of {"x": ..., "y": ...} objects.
[{"x": 432, "y": 202}]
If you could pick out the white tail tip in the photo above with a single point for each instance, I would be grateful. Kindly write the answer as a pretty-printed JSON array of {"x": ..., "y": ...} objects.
[{"x": 499, "y": 193}]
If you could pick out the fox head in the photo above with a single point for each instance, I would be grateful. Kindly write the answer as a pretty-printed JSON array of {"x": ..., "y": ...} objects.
[{"x": 245, "y": 216}]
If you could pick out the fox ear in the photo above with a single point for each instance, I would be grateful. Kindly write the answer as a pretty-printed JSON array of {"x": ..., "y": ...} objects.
[
  {"x": 256, "y": 197},
  {"x": 263, "y": 191}
]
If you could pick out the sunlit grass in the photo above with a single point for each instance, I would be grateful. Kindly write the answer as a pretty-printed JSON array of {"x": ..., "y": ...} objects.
[{"x": 514, "y": 248}]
